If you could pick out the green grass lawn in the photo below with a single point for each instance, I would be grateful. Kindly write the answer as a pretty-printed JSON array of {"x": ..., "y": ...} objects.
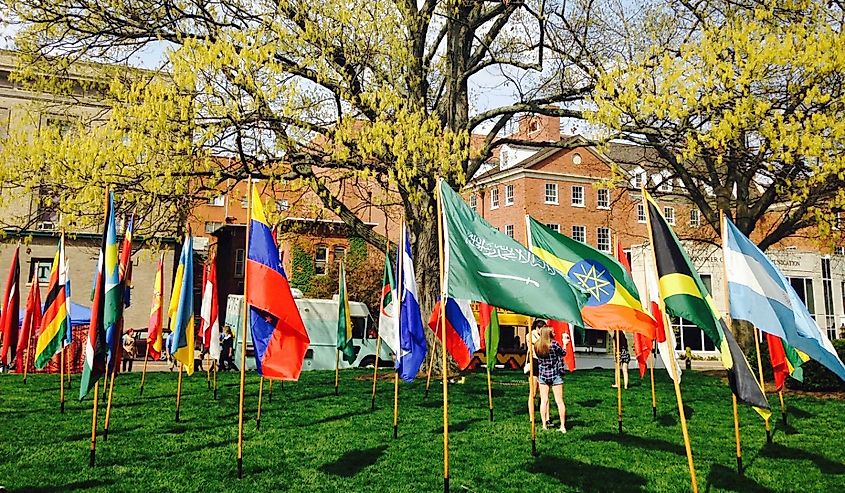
[{"x": 310, "y": 440}]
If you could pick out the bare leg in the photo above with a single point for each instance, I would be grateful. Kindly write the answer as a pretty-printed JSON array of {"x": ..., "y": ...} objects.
[
  {"x": 544, "y": 404},
  {"x": 625, "y": 374},
  {"x": 557, "y": 390}
]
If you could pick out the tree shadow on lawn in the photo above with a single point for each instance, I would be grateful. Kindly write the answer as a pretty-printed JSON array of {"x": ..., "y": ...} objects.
[
  {"x": 791, "y": 410},
  {"x": 825, "y": 465},
  {"x": 354, "y": 461},
  {"x": 75, "y": 486},
  {"x": 638, "y": 441},
  {"x": 724, "y": 478},
  {"x": 459, "y": 426},
  {"x": 586, "y": 477},
  {"x": 589, "y": 403}
]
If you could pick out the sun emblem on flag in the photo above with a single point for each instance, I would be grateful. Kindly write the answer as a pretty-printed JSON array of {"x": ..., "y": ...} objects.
[{"x": 593, "y": 278}]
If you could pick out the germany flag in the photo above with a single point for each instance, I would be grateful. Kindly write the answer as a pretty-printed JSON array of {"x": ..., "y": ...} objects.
[{"x": 685, "y": 296}]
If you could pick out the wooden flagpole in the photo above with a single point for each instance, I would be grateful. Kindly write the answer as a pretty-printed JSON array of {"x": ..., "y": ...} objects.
[
  {"x": 215, "y": 382},
  {"x": 243, "y": 336},
  {"x": 260, "y": 396},
  {"x": 337, "y": 371},
  {"x": 179, "y": 390},
  {"x": 443, "y": 362},
  {"x": 531, "y": 397},
  {"x": 431, "y": 363},
  {"x": 396, "y": 404},
  {"x": 108, "y": 404},
  {"x": 489, "y": 389},
  {"x": 618, "y": 383},
  {"x": 208, "y": 371},
  {"x": 782, "y": 406},
  {"x": 400, "y": 268},
  {"x": 144, "y": 370},
  {"x": 62, "y": 383},
  {"x": 93, "y": 450},
  {"x": 29, "y": 351},
  {"x": 739, "y": 468},
  {"x": 651, "y": 370},
  {"x": 762, "y": 381},
  {"x": 673, "y": 362},
  {"x": 375, "y": 373}
]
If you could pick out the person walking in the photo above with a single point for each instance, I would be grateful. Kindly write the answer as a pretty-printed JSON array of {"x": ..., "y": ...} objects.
[
  {"x": 550, "y": 358},
  {"x": 227, "y": 350},
  {"x": 128, "y": 344}
]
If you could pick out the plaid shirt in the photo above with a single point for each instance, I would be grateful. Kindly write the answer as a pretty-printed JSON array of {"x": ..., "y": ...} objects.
[{"x": 552, "y": 365}]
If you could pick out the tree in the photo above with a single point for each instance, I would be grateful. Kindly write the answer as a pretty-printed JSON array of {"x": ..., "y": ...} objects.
[
  {"x": 743, "y": 104},
  {"x": 318, "y": 93}
]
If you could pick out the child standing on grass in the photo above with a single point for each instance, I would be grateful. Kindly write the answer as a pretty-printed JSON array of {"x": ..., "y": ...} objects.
[{"x": 550, "y": 361}]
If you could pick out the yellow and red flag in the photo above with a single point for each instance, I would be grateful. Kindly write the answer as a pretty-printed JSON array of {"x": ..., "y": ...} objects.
[{"x": 154, "y": 339}]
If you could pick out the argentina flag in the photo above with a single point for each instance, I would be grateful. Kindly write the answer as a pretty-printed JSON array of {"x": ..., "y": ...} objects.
[{"x": 760, "y": 294}]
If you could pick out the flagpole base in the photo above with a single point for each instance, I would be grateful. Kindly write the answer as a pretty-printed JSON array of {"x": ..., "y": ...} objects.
[
  {"x": 395, "y": 431},
  {"x": 62, "y": 407},
  {"x": 446, "y": 484},
  {"x": 654, "y": 412},
  {"x": 105, "y": 434},
  {"x": 270, "y": 398},
  {"x": 336, "y": 391},
  {"x": 24, "y": 380},
  {"x": 783, "y": 417},
  {"x": 209, "y": 385},
  {"x": 373, "y": 404},
  {"x": 177, "y": 415},
  {"x": 425, "y": 395},
  {"x": 240, "y": 467},
  {"x": 739, "y": 468},
  {"x": 534, "y": 447},
  {"x": 491, "y": 414},
  {"x": 215, "y": 394},
  {"x": 258, "y": 424},
  {"x": 768, "y": 436},
  {"x": 620, "y": 426},
  {"x": 141, "y": 393},
  {"x": 91, "y": 458}
]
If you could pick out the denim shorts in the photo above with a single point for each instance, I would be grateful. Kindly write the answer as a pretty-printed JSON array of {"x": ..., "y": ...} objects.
[{"x": 556, "y": 380}]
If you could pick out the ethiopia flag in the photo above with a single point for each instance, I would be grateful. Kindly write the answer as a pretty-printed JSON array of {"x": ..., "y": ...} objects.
[
  {"x": 56, "y": 319},
  {"x": 154, "y": 339},
  {"x": 786, "y": 360},
  {"x": 684, "y": 295},
  {"x": 613, "y": 303},
  {"x": 344, "y": 322},
  {"x": 486, "y": 265},
  {"x": 181, "y": 309}
]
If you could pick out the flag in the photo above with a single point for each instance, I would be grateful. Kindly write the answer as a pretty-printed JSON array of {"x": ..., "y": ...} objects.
[
  {"x": 181, "y": 310},
  {"x": 209, "y": 312},
  {"x": 483, "y": 264},
  {"x": 642, "y": 342},
  {"x": 665, "y": 336},
  {"x": 55, "y": 323},
  {"x": 760, "y": 294},
  {"x": 685, "y": 295},
  {"x": 114, "y": 294},
  {"x": 278, "y": 333},
  {"x": 488, "y": 319},
  {"x": 155, "y": 342},
  {"x": 31, "y": 322},
  {"x": 344, "y": 321},
  {"x": 126, "y": 264},
  {"x": 614, "y": 302},
  {"x": 105, "y": 307},
  {"x": 786, "y": 360},
  {"x": 412, "y": 343},
  {"x": 387, "y": 314},
  {"x": 558, "y": 329},
  {"x": 9, "y": 310},
  {"x": 462, "y": 336}
]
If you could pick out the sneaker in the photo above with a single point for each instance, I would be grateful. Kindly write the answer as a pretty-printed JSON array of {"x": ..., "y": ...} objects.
[{"x": 563, "y": 429}]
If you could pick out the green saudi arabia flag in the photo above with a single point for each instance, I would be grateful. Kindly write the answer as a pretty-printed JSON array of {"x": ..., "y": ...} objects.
[
  {"x": 483, "y": 264},
  {"x": 344, "y": 321}
]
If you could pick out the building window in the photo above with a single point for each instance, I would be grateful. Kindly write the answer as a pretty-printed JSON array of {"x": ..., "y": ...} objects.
[
  {"x": 576, "y": 159},
  {"x": 603, "y": 239},
  {"x": 65, "y": 124},
  {"x": 665, "y": 184},
  {"x": 282, "y": 205},
  {"x": 577, "y": 196},
  {"x": 508, "y": 194},
  {"x": 494, "y": 198},
  {"x": 694, "y": 217},
  {"x": 639, "y": 179},
  {"x": 509, "y": 230},
  {"x": 218, "y": 201},
  {"x": 640, "y": 213},
  {"x": 690, "y": 336},
  {"x": 554, "y": 227},
  {"x": 244, "y": 202},
  {"x": 339, "y": 252},
  {"x": 212, "y": 226},
  {"x": 839, "y": 250},
  {"x": 669, "y": 214},
  {"x": 473, "y": 201},
  {"x": 41, "y": 268},
  {"x": 321, "y": 260},
  {"x": 579, "y": 233},
  {"x": 551, "y": 193},
  {"x": 803, "y": 286},
  {"x": 503, "y": 159},
  {"x": 533, "y": 125},
  {"x": 603, "y": 198},
  {"x": 239, "y": 262},
  {"x": 827, "y": 292}
]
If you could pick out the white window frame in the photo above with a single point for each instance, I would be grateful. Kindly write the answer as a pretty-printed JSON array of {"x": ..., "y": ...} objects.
[
  {"x": 240, "y": 262},
  {"x": 670, "y": 218},
  {"x": 599, "y": 231},
  {"x": 217, "y": 201},
  {"x": 508, "y": 195},
  {"x": 554, "y": 227},
  {"x": 638, "y": 178},
  {"x": 576, "y": 203},
  {"x": 212, "y": 226},
  {"x": 509, "y": 230},
  {"x": 494, "y": 198},
  {"x": 694, "y": 217},
  {"x": 473, "y": 201},
  {"x": 606, "y": 193},
  {"x": 640, "y": 213},
  {"x": 550, "y": 195},
  {"x": 321, "y": 263},
  {"x": 579, "y": 229}
]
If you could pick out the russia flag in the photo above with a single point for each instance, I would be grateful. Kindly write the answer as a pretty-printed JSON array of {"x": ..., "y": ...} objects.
[{"x": 462, "y": 335}]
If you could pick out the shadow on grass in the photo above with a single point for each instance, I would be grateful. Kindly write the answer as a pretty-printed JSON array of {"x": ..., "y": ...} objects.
[
  {"x": 688, "y": 412},
  {"x": 786, "y": 429},
  {"x": 586, "y": 477},
  {"x": 638, "y": 441},
  {"x": 589, "y": 403},
  {"x": 459, "y": 426},
  {"x": 354, "y": 461},
  {"x": 724, "y": 478},
  {"x": 75, "y": 486},
  {"x": 431, "y": 403},
  {"x": 825, "y": 465},
  {"x": 791, "y": 410},
  {"x": 337, "y": 417},
  {"x": 667, "y": 420}
]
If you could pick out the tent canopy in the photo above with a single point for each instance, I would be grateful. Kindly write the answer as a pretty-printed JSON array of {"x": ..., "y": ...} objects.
[{"x": 79, "y": 315}]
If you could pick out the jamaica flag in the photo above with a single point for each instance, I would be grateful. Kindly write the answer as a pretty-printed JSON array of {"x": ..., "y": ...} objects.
[{"x": 685, "y": 296}]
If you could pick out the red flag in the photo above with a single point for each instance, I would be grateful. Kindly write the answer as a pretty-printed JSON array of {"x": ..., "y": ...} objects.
[
  {"x": 31, "y": 323},
  {"x": 780, "y": 366},
  {"x": 559, "y": 328},
  {"x": 154, "y": 339},
  {"x": 642, "y": 343},
  {"x": 10, "y": 309},
  {"x": 209, "y": 321}
]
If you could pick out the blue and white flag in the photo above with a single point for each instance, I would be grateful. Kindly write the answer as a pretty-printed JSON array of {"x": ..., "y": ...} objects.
[
  {"x": 760, "y": 294},
  {"x": 412, "y": 344}
]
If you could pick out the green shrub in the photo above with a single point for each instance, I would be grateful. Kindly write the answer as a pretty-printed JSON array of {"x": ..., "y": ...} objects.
[{"x": 817, "y": 377}]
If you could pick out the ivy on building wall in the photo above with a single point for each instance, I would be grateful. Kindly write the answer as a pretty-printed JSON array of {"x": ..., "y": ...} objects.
[
  {"x": 303, "y": 269},
  {"x": 357, "y": 253}
]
